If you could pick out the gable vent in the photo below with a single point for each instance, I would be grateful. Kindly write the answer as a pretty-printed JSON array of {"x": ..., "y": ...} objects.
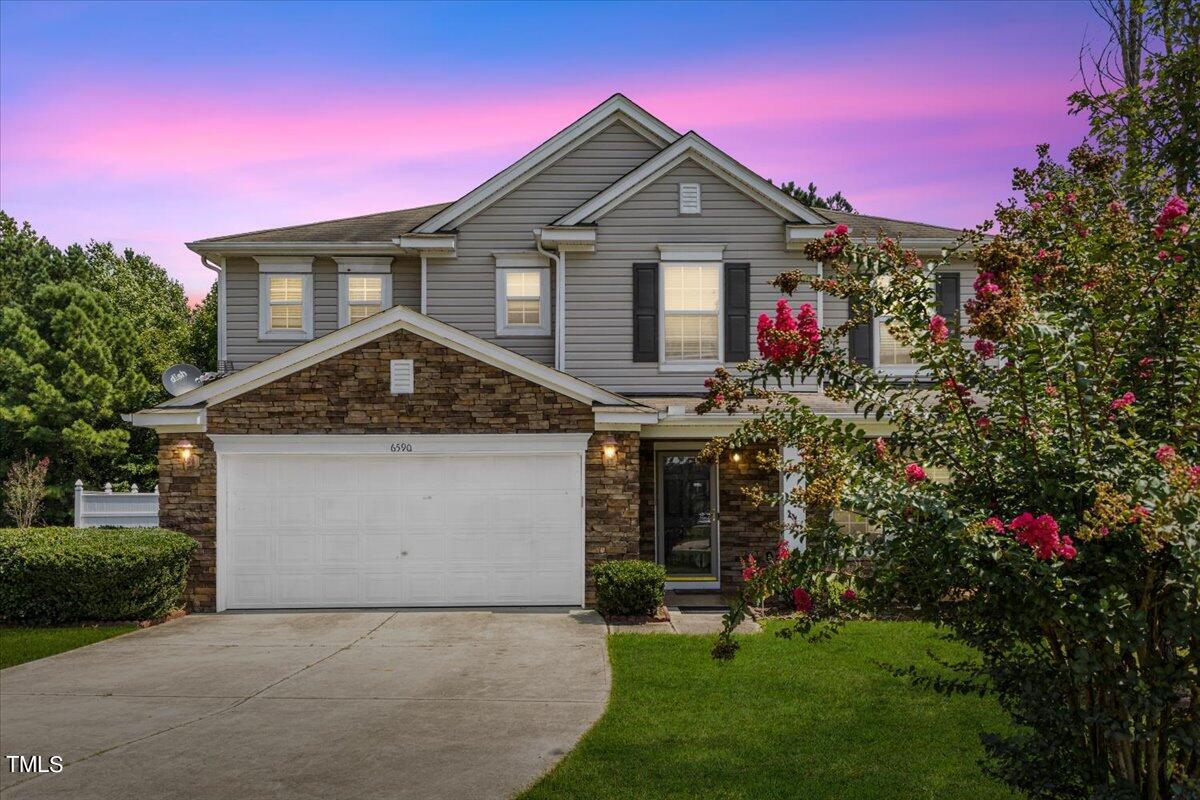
[
  {"x": 402, "y": 376},
  {"x": 689, "y": 198}
]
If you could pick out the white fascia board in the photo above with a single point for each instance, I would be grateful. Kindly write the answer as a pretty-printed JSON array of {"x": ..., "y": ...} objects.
[
  {"x": 690, "y": 145},
  {"x": 572, "y": 238},
  {"x": 626, "y": 416},
  {"x": 614, "y": 108},
  {"x": 290, "y": 248},
  {"x": 800, "y": 235},
  {"x": 381, "y": 324},
  {"x": 162, "y": 420},
  {"x": 416, "y": 444},
  {"x": 442, "y": 245}
]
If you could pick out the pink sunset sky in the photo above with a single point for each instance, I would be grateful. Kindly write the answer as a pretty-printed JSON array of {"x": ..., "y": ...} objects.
[{"x": 151, "y": 125}]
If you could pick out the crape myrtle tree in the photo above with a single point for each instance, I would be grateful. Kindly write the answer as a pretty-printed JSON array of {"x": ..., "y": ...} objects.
[{"x": 1064, "y": 410}]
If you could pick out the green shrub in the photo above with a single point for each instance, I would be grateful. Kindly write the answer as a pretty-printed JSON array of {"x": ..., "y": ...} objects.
[
  {"x": 62, "y": 574},
  {"x": 629, "y": 588}
]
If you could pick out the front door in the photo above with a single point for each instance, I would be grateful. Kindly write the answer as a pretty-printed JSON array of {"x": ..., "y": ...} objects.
[{"x": 687, "y": 520}]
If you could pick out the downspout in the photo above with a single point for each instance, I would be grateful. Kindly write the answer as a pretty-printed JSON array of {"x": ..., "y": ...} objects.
[
  {"x": 424, "y": 283},
  {"x": 222, "y": 354},
  {"x": 560, "y": 302}
]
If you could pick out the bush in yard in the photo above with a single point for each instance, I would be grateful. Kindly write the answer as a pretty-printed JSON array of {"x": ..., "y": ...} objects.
[
  {"x": 1064, "y": 546},
  {"x": 629, "y": 588},
  {"x": 63, "y": 574},
  {"x": 25, "y": 489}
]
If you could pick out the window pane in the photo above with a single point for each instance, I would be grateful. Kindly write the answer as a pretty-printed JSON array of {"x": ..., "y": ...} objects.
[
  {"x": 366, "y": 289},
  {"x": 524, "y": 312},
  {"x": 286, "y": 290},
  {"x": 523, "y": 284},
  {"x": 287, "y": 317},
  {"x": 691, "y": 337},
  {"x": 363, "y": 310},
  {"x": 691, "y": 287},
  {"x": 891, "y": 352},
  {"x": 853, "y": 523}
]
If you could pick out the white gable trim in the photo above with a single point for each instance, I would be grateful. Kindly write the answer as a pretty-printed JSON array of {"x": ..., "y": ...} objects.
[
  {"x": 381, "y": 324},
  {"x": 691, "y": 146},
  {"x": 617, "y": 107}
]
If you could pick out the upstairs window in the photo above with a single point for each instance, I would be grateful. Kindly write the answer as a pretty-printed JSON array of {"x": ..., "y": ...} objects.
[
  {"x": 691, "y": 313},
  {"x": 285, "y": 298},
  {"x": 522, "y": 302},
  {"x": 364, "y": 287}
]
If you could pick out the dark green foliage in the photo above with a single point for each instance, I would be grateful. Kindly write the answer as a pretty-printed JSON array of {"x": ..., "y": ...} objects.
[
  {"x": 629, "y": 588},
  {"x": 85, "y": 334},
  {"x": 65, "y": 574},
  {"x": 813, "y": 199},
  {"x": 200, "y": 343}
]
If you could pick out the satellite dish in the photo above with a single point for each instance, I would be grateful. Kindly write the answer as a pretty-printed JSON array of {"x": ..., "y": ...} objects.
[{"x": 180, "y": 378}]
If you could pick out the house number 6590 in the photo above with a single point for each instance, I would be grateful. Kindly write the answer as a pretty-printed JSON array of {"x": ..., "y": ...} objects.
[{"x": 401, "y": 447}]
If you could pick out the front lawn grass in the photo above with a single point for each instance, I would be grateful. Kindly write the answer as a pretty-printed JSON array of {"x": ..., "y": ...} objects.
[
  {"x": 784, "y": 719},
  {"x": 18, "y": 645}
]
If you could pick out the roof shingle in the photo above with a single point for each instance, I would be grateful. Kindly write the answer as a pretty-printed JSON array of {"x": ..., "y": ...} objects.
[{"x": 381, "y": 227}]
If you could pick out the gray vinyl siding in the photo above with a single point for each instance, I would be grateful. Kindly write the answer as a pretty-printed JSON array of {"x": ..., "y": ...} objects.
[
  {"x": 244, "y": 348},
  {"x": 599, "y": 285},
  {"x": 462, "y": 291}
]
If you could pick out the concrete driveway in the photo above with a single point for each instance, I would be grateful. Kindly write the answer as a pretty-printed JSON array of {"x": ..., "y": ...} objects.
[{"x": 345, "y": 704}]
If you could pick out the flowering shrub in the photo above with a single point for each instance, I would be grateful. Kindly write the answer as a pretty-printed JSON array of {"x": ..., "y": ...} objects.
[{"x": 1065, "y": 410}]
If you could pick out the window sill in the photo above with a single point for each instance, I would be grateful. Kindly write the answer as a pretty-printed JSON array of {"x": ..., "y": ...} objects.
[
  {"x": 521, "y": 332},
  {"x": 687, "y": 367},
  {"x": 284, "y": 336}
]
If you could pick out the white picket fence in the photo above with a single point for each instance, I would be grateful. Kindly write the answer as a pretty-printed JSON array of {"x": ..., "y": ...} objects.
[{"x": 132, "y": 509}]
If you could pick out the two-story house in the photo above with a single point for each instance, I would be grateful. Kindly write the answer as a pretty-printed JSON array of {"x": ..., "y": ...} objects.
[{"x": 470, "y": 403}]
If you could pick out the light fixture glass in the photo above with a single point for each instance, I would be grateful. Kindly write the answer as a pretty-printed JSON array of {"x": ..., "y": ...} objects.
[
  {"x": 610, "y": 448},
  {"x": 736, "y": 457},
  {"x": 187, "y": 452}
]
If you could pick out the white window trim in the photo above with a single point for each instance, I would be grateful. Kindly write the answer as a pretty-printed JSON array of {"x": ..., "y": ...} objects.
[
  {"x": 502, "y": 326},
  {"x": 264, "y": 306},
  {"x": 348, "y": 266},
  {"x": 898, "y": 370},
  {"x": 694, "y": 367}
]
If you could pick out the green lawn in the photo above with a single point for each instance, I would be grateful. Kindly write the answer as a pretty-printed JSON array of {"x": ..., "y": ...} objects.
[
  {"x": 18, "y": 645},
  {"x": 785, "y": 719}
]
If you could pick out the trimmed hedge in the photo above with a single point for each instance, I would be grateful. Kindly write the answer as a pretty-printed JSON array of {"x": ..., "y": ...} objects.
[
  {"x": 629, "y": 588},
  {"x": 67, "y": 574}
]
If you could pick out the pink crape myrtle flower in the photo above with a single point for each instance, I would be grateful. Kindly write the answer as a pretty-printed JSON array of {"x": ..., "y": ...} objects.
[
  {"x": 1164, "y": 453},
  {"x": 938, "y": 329},
  {"x": 1124, "y": 401},
  {"x": 782, "y": 550},
  {"x": 788, "y": 338},
  {"x": 849, "y": 595},
  {"x": 750, "y": 571},
  {"x": 1175, "y": 208},
  {"x": 1041, "y": 534},
  {"x": 984, "y": 348},
  {"x": 996, "y": 524},
  {"x": 841, "y": 230},
  {"x": 913, "y": 473},
  {"x": 802, "y": 600}
]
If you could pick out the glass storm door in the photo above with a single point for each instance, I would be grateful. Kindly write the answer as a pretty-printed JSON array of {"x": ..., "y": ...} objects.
[{"x": 686, "y": 518}]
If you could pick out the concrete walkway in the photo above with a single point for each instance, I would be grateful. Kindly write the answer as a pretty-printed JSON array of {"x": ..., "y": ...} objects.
[{"x": 420, "y": 704}]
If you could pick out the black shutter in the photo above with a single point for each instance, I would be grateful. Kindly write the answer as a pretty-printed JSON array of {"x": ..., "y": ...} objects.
[
  {"x": 737, "y": 312},
  {"x": 861, "y": 339},
  {"x": 645, "y": 312},
  {"x": 948, "y": 297}
]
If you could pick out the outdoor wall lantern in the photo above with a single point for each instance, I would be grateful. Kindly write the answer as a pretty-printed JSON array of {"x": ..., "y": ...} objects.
[
  {"x": 187, "y": 453},
  {"x": 610, "y": 449},
  {"x": 736, "y": 457}
]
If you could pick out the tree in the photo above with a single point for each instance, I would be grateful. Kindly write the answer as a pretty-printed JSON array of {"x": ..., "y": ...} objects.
[
  {"x": 1064, "y": 544},
  {"x": 813, "y": 199},
  {"x": 85, "y": 333},
  {"x": 25, "y": 489},
  {"x": 1142, "y": 89},
  {"x": 200, "y": 343}
]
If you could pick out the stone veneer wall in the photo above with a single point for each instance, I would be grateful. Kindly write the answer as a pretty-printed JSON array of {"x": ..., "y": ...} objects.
[
  {"x": 350, "y": 394},
  {"x": 187, "y": 501},
  {"x": 611, "y": 520}
]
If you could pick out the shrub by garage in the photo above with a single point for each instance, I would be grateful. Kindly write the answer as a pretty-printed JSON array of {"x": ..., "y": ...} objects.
[
  {"x": 66, "y": 574},
  {"x": 629, "y": 588}
]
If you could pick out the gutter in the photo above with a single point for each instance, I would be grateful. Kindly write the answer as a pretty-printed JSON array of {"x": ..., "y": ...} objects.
[
  {"x": 560, "y": 300},
  {"x": 222, "y": 355}
]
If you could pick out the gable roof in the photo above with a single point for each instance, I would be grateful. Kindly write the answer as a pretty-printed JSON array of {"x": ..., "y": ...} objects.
[
  {"x": 695, "y": 147},
  {"x": 381, "y": 324},
  {"x": 868, "y": 225},
  {"x": 617, "y": 107},
  {"x": 380, "y": 227}
]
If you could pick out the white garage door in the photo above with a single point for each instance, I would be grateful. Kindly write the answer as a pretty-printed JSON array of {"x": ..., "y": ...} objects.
[{"x": 415, "y": 530}]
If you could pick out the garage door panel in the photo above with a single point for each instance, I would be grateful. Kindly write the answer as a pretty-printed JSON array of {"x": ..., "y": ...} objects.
[{"x": 310, "y": 531}]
